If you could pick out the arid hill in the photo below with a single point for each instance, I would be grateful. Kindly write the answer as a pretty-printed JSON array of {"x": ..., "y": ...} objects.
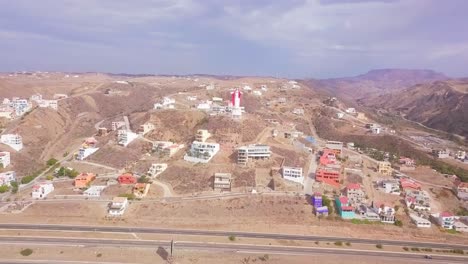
[
  {"x": 441, "y": 105},
  {"x": 376, "y": 82}
]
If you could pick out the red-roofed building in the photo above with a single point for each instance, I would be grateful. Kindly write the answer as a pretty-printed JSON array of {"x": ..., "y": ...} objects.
[
  {"x": 328, "y": 157},
  {"x": 127, "y": 178},
  {"x": 409, "y": 184},
  {"x": 84, "y": 179},
  {"x": 344, "y": 209}
]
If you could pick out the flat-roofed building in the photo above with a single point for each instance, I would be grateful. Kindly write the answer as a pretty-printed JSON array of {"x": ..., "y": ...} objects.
[
  {"x": 222, "y": 182},
  {"x": 335, "y": 146},
  {"x": 293, "y": 174},
  {"x": 254, "y": 151}
]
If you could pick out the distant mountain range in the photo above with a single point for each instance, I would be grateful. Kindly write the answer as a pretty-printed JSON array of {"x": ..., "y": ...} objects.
[
  {"x": 441, "y": 105},
  {"x": 376, "y": 82}
]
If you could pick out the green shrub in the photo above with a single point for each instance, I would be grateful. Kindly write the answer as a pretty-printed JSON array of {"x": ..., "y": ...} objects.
[
  {"x": 51, "y": 162},
  {"x": 232, "y": 238},
  {"x": 348, "y": 244},
  {"x": 26, "y": 252},
  {"x": 405, "y": 248},
  {"x": 379, "y": 246},
  {"x": 338, "y": 243},
  {"x": 4, "y": 188},
  {"x": 398, "y": 223},
  {"x": 14, "y": 186},
  {"x": 458, "y": 251},
  {"x": 27, "y": 179}
]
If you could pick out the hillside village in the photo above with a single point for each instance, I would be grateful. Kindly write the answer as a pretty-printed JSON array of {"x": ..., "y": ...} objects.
[{"x": 128, "y": 142}]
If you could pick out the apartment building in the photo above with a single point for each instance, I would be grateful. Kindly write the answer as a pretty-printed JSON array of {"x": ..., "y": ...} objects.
[
  {"x": 4, "y": 159},
  {"x": 254, "y": 151},
  {"x": 385, "y": 168},
  {"x": 328, "y": 175},
  {"x": 293, "y": 174},
  {"x": 14, "y": 141},
  {"x": 7, "y": 177},
  {"x": 201, "y": 152},
  {"x": 355, "y": 193},
  {"x": 335, "y": 146},
  {"x": 222, "y": 182}
]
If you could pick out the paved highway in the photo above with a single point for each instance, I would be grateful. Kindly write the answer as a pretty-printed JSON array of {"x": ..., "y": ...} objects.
[
  {"x": 231, "y": 247},
  {"x": 229, "y": 233}
]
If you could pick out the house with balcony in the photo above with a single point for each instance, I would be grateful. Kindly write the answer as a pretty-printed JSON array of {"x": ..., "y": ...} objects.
[
  {"x": 345, "y": 210},
  {"x": 252, "y": 152},
  {"x": 156, "y": 169},
  {"x": 293, "y": 174},
  {"x": 445, "y": 219},
  {"x": 355, "y": 193},
  {"x": 14, "y": 141},
  {"x": 125, "y": 137},
  {"x": 7, "y": 177},
  {"x": 94, "y": 191},
  {"x": 83, "y": 180},
  {"x": 118, "y": 206},
  {"x": 201, "y": 152},
  {"x": 386, "y": 213},
  {"x": 222, "y": 182},
  {"x": 145, "y": 128},
  {"x": 4, "y": 159},
  {"x": 390, "y": 186},
  {"x": 420, "y": 221},
  {"x": 417, "y": 200},
  {"x": 441, "y": 153},
  {"x": 42, "y": 189},
  {"x": 166, "y": 148}
]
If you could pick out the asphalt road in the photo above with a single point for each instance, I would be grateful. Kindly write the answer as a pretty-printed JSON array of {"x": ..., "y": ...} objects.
[
  {"x": 231, "y": 247},
  {"x": 229, "y": 233}
]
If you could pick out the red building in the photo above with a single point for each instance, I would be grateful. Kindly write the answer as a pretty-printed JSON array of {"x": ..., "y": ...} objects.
[
  {"x": 328, "y": 157},
  {"x": 328, "y": 175},
  {"x": 127, "y": 178}
]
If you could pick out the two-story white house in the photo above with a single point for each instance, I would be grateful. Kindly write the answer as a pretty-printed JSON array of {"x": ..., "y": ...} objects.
[{"x": 42, "y": 189}]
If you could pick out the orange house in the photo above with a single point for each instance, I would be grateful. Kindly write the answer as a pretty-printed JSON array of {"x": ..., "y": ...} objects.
[{"x": 84, "y": 179}]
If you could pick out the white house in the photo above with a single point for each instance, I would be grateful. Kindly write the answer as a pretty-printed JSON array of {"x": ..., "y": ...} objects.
[
  {"x": 21, "y": 106},
  {"x": 254, "y": 151},
  {"x": 7, "y": 177},
  {"x": 116, "y": 125},
  {"x": 166, "y": 103},
  {"x": 350, "y": 110},
  {"x": 375, "y": 130},
  {"x": 5, "y": 158},
  {"x": 293, "y": 174},
  {"x": 15, "y": 141},
  {"x": 124, "y": 137},
  {"x": 204, "y": 106},
  {"x": 257, "y": 93},
  {"x": 145, "y": 128},
  {"x": 201, "y": 152},
  {"x": 419, "y": 221},
  {"x": 298, "y": 111},
  {"x": 391, "y": 186},
  {"x": 156, "y": 169},
  {"x": 48, "y": 104},
  {"x": 94, "y": 191},
  {"x": 42, "y": 189},
  {"x": 340, "y": 115},
  {"x": 84, "y": 152},
  {"x": 118, "y": 206},
  {"x": 445, "y": 220}
]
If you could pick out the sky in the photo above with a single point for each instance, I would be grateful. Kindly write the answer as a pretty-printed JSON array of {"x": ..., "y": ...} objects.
[{"x": 284, "y": 38}]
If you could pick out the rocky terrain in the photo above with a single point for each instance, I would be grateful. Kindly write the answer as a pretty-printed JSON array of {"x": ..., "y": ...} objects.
[{"x": 442, "y": 105}]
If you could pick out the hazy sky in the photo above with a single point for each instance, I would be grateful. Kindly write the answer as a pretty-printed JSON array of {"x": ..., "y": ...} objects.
[{"x": 291, "y": 38}]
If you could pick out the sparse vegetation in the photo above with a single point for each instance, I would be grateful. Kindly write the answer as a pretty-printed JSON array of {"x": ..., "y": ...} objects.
[
  {"x": 379, "y": 246},
  {"x": 348, "y": 244},
  {"x": 338, "y": 243},
  {"x": 51, "y": 162},
  {"x": 232, "y": 238},
  {"x": 130, "y": 196},
  {"x": 405, "y": 248},
  {"x": 26, "y": 252},
  {"x": 14, "y": 186},
  {"x": 398, "y": 223},
  {"x": 4, "y": 188}
]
